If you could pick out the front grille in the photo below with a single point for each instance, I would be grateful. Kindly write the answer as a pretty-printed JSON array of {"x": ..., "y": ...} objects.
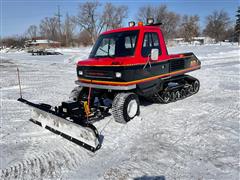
[
  {"x": 176, "y": 64},
  {"x": 98, "y": 74}
]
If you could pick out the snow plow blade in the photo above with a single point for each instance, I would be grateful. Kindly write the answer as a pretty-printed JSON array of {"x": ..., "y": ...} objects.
[{"x": 85, "y": 135}]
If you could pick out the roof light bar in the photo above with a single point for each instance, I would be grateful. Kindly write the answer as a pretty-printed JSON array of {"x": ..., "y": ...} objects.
[{"x": 140, "y": 23}]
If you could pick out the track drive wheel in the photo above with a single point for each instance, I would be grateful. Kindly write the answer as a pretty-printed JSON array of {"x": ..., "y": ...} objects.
[
  {"x": 166, "y": 97},
  {"x": 125, "y": 107},
  {"x": 196, "y": 86}
]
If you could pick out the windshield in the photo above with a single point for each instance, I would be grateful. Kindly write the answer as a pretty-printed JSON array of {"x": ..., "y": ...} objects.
[{"x": 119, "y": 44}]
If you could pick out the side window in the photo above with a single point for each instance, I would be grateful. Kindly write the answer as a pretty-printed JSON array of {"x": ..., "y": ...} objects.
[
  {"x": 146, "y": 40},
  {"x": 155, "y": 40},
  {"x": 150, "y": 41},
  {"x": 130, "y": 42}
]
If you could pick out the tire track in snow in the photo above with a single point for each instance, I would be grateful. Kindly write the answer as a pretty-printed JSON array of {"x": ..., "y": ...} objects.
[
  {"x": 218, "y": 112},
  {"x": 46, "y": 165}
]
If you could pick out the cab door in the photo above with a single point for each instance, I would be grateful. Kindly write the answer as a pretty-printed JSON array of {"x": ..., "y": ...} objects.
[{"x": 150, "y": 41}]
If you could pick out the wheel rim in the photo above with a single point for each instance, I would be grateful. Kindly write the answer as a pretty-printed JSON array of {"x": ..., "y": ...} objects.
[
  {"x": 178, "y": 95},
  {"x": 132, "y": 108},
  {"x": 195, "y": 86},
  {"x": 183, "y": 93},
  {"x": 190, "y": 90},
  {"x": 173, "y": 96},
  {"x": 166, "y": 97}
]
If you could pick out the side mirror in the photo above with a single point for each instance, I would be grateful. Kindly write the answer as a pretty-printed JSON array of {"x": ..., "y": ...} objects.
[{"x": 154, "y": 54}]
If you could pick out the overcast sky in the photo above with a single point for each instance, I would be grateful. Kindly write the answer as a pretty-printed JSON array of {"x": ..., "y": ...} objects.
[{"x": 17, "y": 15}]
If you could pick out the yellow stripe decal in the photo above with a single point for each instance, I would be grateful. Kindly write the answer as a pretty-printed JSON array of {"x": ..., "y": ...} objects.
[{"x": 136, "y": 81}]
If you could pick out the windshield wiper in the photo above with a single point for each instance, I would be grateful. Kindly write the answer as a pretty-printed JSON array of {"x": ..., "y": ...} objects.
[
  {"x": 108, "y": 55},
  {"x": 97, "y": 57}
]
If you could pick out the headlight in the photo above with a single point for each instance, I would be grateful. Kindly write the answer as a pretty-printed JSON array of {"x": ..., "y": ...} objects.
[
  {"x": 80, "y": 73},
  {"x": 193, "y": 63},
  {"x": 118, "y": 74}
]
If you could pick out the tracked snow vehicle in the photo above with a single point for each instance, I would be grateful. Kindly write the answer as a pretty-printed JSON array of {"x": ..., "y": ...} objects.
[{"x": 124, "y": 64}]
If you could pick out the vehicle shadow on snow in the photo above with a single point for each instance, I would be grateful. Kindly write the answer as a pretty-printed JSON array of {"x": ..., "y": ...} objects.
[
  {"x": 150, "y": 178},
  {"x": 145, "y": 102}
]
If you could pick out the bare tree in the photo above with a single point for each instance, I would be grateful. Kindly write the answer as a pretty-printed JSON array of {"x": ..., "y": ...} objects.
[
  {"x": 113, "y": 16},
  {"x": 146, "y": 12},
  {"x": 230, "y": 34},
  {"x": 49, "y": 28},
  {"x": 32, "y": 31},
  {"x": 84, "y": 38},
  {"x": 89, "y": 19},
  {"x": 189, "y": 27},
  {"x": 93, "y": 22},
  {"x": 68, "y": 29},
  {"x": 237, "y": 26},
  {"x": 217, "y": 25},
  {"x": 169, "y": 20},
  {"x": 14, "y": 41}
]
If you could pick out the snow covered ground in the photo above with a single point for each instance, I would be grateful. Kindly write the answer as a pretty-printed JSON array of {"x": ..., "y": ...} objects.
[{"x": 195, "y": 138}]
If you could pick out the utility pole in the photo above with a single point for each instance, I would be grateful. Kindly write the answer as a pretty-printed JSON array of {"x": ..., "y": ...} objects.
[
  {"x": 58, "y": 15},
  {"x": 66, "y": 29}
]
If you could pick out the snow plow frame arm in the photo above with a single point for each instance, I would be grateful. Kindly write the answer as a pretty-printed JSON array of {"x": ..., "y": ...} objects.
[{"x": 45, "y": 108}]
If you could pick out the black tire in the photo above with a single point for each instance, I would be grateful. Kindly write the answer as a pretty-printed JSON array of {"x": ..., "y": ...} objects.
[
  {"x": 120, "y": 107},
  {"x": 78, "y": 93}
]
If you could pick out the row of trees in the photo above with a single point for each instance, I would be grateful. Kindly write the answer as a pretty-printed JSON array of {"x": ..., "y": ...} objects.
[
  {"x": 91, "y": 20},
  {"x": 237, "y": 26},
  {"x": 218, "y": 24}
]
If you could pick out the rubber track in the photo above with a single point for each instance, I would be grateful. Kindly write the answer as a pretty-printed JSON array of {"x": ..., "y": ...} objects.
[{"x": 157, "y": 99}]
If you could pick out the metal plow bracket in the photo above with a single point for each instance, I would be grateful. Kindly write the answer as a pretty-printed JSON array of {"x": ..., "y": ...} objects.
[{"x": 83, "y": 136}]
